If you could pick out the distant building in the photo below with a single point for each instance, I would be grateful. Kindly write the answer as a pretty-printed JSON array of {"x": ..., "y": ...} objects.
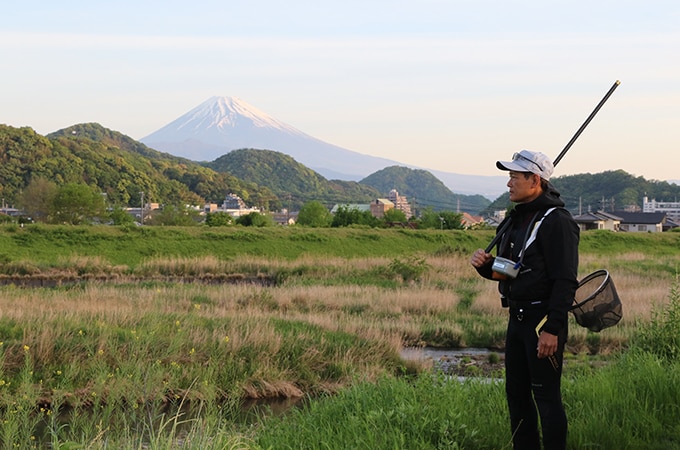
[
  {"x": 652, "y": 222},
  {"x": 285, "y": 217},
  {"x": 622, "y": 221},
  {"x": 233, "y": 201},
  {"x": 380, "y": 206},
  {"x": 671, "y": 209},
  {"x": 144, "y": 213},
  {"x": 232, "y": 205},
  {"x": 599, "y": 220},
  {"x": 400, "y": 202},
  {"x": 209, "y": 207},
  {"x": 469, "y": 221},
  {"x": 11, "y": 211},
  {"x": 361, "y": 207}
]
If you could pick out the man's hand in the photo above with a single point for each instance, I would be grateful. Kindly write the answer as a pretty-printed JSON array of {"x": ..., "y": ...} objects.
[
  {"x": 480, "y": 258},
  {"x": 547, "y": 344}
]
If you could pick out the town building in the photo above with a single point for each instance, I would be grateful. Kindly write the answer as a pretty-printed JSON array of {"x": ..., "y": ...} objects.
[
  {"x": 651, "y": 222},
  {"x": 233, "y": 201},
  {"x": 468, "y": 220},
  {"x": 361, "y": 207},
  {"x": 400, "y": 203},
  {"x": 598, "y": 220},
  {"x": 285, "y": 217},
  {"x": 380, "y": 206},
  {"x": 622, "y": 221},
  {"x": 671, "y": 209},
  {"x": 232, "y": 205}
]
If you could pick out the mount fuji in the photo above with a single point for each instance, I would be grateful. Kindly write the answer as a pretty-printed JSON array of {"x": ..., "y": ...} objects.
[{"x": 222, "y": 124}]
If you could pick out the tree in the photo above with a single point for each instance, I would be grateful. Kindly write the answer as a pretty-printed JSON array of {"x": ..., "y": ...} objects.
[
  {"x": 314, "y": 214},
  {"x": 76, "y": 204},
  {"x": 444, "y": 220},
  {"x": 255, "y": 219},
  {"x": 394, "y": 215},
  {"x": 218, "y": 219},
  {"x": 119, "y": 216},
  {"x": 172, "y": 215},
  {"x": 346, "y": 216},
  {"x": 38, "y": 198}
]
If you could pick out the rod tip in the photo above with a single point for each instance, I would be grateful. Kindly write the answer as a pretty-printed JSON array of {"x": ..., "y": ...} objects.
[{"x": 618, "y": 82}]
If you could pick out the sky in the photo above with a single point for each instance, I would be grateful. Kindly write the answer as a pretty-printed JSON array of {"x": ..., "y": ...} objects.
[{"x": 451, "y": 85}]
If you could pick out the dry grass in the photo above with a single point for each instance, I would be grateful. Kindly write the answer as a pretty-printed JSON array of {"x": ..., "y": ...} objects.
[{"x": 393, "y": 315}]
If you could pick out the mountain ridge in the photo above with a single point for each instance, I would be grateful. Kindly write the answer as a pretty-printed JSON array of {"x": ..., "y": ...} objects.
[
  {"x": 121, "y": 168},
  {"x": 223, "y": 124}
]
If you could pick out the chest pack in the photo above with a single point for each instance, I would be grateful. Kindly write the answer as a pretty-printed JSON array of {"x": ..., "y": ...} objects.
[{"x": 504, "y": 268}]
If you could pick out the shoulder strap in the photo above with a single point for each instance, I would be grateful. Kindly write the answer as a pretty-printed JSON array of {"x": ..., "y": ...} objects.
[{"x": 534, "y": 231}]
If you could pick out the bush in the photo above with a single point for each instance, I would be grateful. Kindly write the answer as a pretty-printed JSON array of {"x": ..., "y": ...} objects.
[
  {"x": 410, "y": 270},
  {"x": 661, "y": 336}
]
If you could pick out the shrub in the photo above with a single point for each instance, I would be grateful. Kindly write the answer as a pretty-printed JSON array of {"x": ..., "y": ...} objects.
[
  {"x": 410, "y": 270},
  {"x": 661, "y": 336}
]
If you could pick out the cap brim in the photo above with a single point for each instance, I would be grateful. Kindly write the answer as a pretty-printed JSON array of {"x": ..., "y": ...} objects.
[{"x": 511, "y": 165}]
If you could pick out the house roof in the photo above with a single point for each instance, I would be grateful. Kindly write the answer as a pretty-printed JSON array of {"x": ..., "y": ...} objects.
[
  {"x": 641, "y": 217},
  {"x": 468, "y": 219},
  {"x": 670, "y": 223},
  {"x": 384, "y": 201},
  {"x": 352, "y": 206},
  {"x": 598, "y": 216}
]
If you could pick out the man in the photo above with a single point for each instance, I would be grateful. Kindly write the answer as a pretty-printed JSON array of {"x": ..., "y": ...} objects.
[{"x": 540, "y": 244}]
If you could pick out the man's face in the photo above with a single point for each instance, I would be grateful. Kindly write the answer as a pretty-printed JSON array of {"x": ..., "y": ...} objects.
[{"x": 524, "y": 187}]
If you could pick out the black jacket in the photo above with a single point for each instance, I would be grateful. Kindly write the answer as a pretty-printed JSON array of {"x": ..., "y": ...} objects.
[{"x": 550, "y": 265}]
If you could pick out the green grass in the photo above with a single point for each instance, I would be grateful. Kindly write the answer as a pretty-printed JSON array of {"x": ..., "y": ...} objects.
[
  {"x": 47, "y": 245},
  {"x": 631, "y": 403},
  {"x": 147, "y": 360}
]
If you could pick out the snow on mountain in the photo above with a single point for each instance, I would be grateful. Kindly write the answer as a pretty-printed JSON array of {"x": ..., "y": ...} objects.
[
  {"x": 219, "y": 120},
  {"x": 222, "y": 124}
]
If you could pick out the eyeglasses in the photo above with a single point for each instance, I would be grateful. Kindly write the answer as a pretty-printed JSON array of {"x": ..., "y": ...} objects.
[{"x": 517, "y": 156}]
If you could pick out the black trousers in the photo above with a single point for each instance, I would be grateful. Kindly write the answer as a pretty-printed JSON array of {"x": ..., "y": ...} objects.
[{"x": 532, "y": 385}]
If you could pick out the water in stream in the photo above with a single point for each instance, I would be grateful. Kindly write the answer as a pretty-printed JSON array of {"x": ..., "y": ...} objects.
[{"x": 464, "y": 363}]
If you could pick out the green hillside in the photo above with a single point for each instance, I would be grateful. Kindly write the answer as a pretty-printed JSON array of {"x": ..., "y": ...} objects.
[
  {"x": 424, "y": 189},
  {"x": 608, "y": 191},
  {"x": 291, "y": 181},
  {"x": 113, "y": 164},
  {"x": 122, "y": 168}
]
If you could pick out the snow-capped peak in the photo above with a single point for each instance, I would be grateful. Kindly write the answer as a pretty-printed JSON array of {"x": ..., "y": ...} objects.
[{"x": 228, "y": 112}]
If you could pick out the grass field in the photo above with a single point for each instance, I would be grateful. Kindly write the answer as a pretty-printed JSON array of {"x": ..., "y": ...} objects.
[{"x": 142, "y": 319}]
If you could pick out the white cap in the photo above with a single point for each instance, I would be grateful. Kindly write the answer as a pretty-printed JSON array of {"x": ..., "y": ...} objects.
[{"x": 528, "y": 161}]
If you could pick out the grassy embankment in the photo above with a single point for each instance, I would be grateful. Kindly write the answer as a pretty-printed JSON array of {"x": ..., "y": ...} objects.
[{"x": 325, "y": 310}]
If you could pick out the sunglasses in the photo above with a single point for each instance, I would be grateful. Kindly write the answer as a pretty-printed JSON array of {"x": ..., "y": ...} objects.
[{"x": 517, "y": 156}]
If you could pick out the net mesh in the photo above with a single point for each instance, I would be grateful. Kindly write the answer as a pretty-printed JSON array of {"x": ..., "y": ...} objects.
[{"x": 597, "y": 305}]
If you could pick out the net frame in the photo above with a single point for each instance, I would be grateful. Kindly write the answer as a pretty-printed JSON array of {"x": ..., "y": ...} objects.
[{"x": 597, "y": 308}]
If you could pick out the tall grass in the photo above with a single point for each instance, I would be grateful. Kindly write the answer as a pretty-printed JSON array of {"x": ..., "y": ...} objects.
[
  {"x": 107, "y": 359},
  {"x": 630, "y": 403}
]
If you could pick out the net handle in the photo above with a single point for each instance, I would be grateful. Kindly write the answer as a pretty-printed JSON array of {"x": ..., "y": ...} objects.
[{"x": 600, "y": 288}]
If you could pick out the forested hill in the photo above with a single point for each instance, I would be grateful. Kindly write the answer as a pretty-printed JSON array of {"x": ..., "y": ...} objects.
[
  {"x": 291, "y": 181},
  {"x": 112, "y": 164},
  {"x": 424, "y": 189},
  {"x": 607, "y": 191},
  {"x": 122, "y": 168}
]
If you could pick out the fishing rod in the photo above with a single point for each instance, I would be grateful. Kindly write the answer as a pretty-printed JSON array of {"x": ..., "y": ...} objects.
[{"x": 561, "y": 155}]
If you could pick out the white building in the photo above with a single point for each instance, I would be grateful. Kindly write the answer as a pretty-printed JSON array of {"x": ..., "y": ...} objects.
[{"x": 672, "y": 209}]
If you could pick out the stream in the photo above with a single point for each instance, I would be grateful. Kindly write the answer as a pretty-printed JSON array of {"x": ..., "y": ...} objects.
[{"x": 460, "y": 363}]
